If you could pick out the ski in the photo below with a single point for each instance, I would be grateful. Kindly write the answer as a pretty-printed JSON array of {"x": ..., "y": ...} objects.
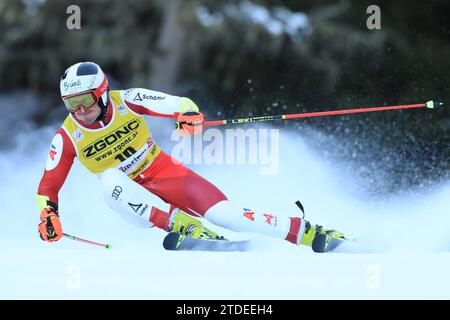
[
  {"x": 179, "y": 242},
  {"x": 325, "y": 243}
]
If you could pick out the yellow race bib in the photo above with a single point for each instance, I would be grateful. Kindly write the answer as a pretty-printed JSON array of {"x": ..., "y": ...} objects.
[{"x": 125, "y": 143}]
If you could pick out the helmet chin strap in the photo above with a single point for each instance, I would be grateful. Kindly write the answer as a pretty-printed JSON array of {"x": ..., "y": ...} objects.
[{"x": 103, "y": 106}]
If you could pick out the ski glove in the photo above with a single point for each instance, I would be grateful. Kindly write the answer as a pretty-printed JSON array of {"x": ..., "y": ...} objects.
[
  {"x": 190, "y": 123},
  {"x": 50, "y": 227}
]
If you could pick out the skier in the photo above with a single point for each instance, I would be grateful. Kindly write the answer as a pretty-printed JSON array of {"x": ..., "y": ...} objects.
[{"x": 107, "y": 132}]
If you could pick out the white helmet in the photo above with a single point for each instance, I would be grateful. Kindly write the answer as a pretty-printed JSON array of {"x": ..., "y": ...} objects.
[{"x": 84, "y": 83}]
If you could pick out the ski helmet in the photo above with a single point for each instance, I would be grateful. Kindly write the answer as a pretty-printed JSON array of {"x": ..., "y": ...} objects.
[{"x": 84, "y": 83}]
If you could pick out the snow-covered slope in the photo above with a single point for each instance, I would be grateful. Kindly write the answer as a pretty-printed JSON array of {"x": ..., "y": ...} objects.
[{"x": 401, "y": 251}]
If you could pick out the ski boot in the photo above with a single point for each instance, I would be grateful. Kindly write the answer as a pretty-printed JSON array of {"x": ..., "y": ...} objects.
[
  {"x": 321, "y": 239},
  {"x": 189, "y": 226}
]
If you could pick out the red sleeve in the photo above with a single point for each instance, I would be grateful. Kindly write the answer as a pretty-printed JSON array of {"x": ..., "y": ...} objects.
[
  {"x": 139, "y": 109},
  {"x": 59, "y": 162}
]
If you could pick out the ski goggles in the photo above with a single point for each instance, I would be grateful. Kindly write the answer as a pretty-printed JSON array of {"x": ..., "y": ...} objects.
[{"x": 85, "y": 100}]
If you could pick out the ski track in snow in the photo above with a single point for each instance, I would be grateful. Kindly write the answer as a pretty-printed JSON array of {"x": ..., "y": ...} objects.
[{"x": 401, "y": 251}]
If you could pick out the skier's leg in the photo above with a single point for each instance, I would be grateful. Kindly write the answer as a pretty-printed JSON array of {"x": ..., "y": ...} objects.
[
  {"x": 192, "y": 193},
  {"x": 292, "y": 229},
  {"x": 133, "y": 202},
  {"x": 236, "y": 218},
  {"x": 180, "y": 186},
  {"x": 137, "y": 205}
]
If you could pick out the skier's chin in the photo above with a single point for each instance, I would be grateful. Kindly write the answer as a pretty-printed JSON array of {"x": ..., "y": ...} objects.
[
  {"x": 88, "y": 117},
  {"x": 89, "y": 120}
]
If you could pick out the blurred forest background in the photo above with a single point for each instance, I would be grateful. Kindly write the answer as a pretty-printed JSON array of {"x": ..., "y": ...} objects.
[{"x": 241, "y": 58}]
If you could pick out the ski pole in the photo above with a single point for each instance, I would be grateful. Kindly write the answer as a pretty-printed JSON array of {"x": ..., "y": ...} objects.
[
  {"x": 107, "y": 246},
  {"x": 430, "y": 104}
]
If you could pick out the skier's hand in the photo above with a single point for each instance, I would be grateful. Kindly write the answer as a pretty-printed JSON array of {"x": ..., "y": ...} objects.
[
  {"x": 190, "y": 123},
  {"x": 50, "y": 227}
]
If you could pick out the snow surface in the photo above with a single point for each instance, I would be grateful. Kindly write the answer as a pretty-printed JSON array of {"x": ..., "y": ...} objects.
[{"x": 401, "y": 252}]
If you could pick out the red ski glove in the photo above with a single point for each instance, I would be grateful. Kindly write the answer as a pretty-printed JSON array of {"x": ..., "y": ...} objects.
[
  {"x": 190, "y": 123},
  {"x": 50, "y": 227}
]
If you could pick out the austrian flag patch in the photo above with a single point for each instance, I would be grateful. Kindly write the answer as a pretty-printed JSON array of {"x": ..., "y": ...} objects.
[
  {"x": 55, "y": 152},
  {"x": 249, "y": 214}
]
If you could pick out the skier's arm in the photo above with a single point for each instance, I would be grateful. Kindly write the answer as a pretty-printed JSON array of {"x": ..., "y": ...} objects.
[
  {"x": 154, "y": 103},
  {"x": 59, "y": 162}
]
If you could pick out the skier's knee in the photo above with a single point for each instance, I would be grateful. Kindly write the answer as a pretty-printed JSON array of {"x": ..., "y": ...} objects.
[
  {"x": 117, "y": 186},
  {"x": 133, "y": 201},
  {"x": 127, "y": 197},
  {"x": 111, "y": 180}
]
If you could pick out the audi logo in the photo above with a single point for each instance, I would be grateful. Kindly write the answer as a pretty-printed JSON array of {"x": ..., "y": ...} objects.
[{"x": 116, "y": 192}]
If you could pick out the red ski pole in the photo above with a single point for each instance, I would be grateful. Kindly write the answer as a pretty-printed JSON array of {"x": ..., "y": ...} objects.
[
  {"x": 430, "y": 104},
  {"x": 107, "y": 246}
]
